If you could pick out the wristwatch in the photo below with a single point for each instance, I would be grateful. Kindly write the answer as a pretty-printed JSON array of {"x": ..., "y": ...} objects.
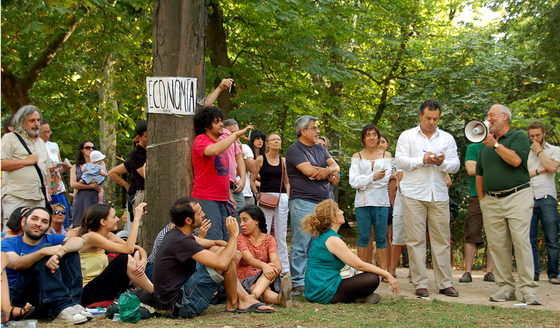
[{"x": 496, "y": 145}]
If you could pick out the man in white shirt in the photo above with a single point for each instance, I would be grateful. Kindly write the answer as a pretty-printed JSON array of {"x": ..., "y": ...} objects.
[
  {"x": 543, "y": 162},
  {"x": 426, "y": 154}
]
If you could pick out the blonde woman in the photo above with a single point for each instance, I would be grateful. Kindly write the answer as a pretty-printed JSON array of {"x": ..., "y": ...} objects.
[{"x": 329, "y": 254}]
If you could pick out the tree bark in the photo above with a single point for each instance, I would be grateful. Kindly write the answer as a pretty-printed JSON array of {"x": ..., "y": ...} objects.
[
  {"x": 15, "y": 90},
  {"x": 178, "y": 46},
  {"x": 218, "y": 53},
  {"x": 108, "y": 107}
]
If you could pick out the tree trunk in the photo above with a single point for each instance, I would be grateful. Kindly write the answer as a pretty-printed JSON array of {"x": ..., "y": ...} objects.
[
  {"x": 108, "y": 107},
  {"x": 179, "y": 43},
  {"x": 217, "y": 46}
]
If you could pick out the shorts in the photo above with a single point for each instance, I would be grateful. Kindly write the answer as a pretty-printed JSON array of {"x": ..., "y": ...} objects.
[{"x": 474, "y": 223}]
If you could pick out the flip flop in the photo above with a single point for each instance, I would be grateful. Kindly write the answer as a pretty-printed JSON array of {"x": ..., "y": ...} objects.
[
  {"x": 255, "y": 308},
  {"x": 231, "y": 311}
]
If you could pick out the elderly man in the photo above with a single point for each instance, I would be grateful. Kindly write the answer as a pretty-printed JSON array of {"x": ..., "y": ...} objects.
[
  {"x": 506, "y": 201},
  {"x": 25, "y": 174},
  {"x": 426, "y": 154},
  {"x": 309, "y": 167},
  {"x": 543, "y": 162}
]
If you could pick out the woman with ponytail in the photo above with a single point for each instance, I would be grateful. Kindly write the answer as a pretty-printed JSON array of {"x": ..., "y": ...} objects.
[{"x": 329, "y": 254}]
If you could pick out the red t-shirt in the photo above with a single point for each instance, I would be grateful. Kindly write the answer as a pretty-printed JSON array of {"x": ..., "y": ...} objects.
[
  {"x": 260, "y": 253},
  {"x": 211, "y": 173}
]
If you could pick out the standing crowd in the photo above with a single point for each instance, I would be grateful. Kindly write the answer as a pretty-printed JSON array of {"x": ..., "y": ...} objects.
[{"x": 226, "y": 242}]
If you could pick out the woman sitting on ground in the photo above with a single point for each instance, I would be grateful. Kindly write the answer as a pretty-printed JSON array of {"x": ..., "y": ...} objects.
[
  {"x": 259, "y": 268},
  {"x": 329, "y": 254},
  {"x": 14, "y": 222},
  {"x": 103, "y": 280}
]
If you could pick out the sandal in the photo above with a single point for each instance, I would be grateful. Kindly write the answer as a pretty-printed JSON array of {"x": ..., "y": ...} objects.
[
  {"x": 23, "y": 313},
  {"x": 385, "y": 280}
]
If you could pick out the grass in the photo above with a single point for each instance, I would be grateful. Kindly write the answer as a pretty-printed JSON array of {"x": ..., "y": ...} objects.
[{"x": 390, "y": 312}]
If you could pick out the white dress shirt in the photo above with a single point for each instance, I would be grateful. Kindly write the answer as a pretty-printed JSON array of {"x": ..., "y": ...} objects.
[
  {"x": 543, "y": 184},
  {"x": 425, "y": 182}
]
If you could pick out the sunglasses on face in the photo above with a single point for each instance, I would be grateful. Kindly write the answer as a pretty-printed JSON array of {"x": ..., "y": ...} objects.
[
  {"x": 59, "y": 212},
  {"x": 89, "y": 147}
]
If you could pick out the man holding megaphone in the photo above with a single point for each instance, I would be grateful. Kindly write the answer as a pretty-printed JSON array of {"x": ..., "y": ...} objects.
[{"x": 506, "y": 201}]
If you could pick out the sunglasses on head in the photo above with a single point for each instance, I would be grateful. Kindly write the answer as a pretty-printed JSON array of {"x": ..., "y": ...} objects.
[
  {"x": 59, "y": 212},
  {"x": 89, "y": 147}
]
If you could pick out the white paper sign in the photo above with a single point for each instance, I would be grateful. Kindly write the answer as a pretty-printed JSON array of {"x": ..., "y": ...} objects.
[{"x": 171, "y": 95}]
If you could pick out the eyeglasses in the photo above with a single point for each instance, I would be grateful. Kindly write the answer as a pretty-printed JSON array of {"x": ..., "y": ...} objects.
[
  {"x": 274, "y": 139},
  {"x": 59, "y": 212},
  {"x": 46, "y": 132},
  {"x": 89, "y": 148},
  {"x": 314, "y": 128}
]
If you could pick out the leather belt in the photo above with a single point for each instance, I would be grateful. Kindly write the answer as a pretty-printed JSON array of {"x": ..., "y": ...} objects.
[{"x": 502, "y": 194}]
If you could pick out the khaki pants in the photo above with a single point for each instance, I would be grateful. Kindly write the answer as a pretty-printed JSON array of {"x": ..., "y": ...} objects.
[
  {"x": 416, "y": 214},
  {"x": 10, "y": 203},
  {"x": 507, "y": 220}
]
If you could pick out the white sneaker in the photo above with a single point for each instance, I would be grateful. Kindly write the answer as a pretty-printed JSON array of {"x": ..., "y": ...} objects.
[
  {"x": 81, "y": 310},
  {"x": 70, "y": 315}
]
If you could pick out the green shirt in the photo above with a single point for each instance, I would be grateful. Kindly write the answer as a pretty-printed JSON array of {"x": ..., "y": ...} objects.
[
  {"x": 497, "y": 175},
  {"x": 472, "y": 155}
]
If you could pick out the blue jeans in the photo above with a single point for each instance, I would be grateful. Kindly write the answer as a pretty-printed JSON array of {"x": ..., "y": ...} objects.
[
  {"x": 301, "y": 241},
  {"x": 216, "y": 212},
  {"x": 199, "y": 292},
  {"x": 368, "y": 216},
  {"x": 49, "y": 292},
  {"x": 546, "y": 210},
  {"x": 61, "y": 199}
]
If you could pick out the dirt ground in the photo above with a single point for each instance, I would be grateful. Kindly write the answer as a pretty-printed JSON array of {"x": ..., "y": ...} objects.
[{"x": 476, "y": 292}]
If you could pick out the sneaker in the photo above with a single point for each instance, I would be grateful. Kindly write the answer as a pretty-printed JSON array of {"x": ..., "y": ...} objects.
[
  {"x": 466, "y": 277},
  {"x": 300, "y": 289},
  {"x": 531, "y": 299},
  {"x": 489, "y": 277},
  {"x": 554, "y": 281},
  {"x": 70, "y": 315},
  {"x": 373, "y": 298},
  {"x": 81, "y": 310},
  {"x": 502, "y": 296}
]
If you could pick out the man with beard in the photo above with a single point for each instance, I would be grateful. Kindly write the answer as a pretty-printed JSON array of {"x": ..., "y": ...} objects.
[
  {"x": 506, "y": 201},
  {"x": 21, "y": 183},
  {"x": 45, "y": 270},
  {"x": 543, "y": 162}
]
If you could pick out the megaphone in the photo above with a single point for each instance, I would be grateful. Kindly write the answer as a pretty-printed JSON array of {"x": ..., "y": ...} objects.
[{"x": 476, "y": 130}]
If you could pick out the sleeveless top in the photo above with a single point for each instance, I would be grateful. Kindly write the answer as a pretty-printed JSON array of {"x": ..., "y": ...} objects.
[
  {"x": 271, "y": 176},
  {"x": 93, "y": 264}
]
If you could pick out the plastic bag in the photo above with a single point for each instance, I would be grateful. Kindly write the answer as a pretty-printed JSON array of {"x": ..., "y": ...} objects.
[{"x": 129, "y": 308}]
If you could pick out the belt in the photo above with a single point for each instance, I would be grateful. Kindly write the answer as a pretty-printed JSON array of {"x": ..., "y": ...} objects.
[{"x": 502, "y": 194}]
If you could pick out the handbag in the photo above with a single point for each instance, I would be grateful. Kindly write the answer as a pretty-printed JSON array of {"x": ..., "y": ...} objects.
[
  {"x": 43, "y": 189},
  {"x": 268, "y": 200}
]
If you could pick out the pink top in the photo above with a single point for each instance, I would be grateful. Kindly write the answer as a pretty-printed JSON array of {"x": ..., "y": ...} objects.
[
  {"x": 232, "y": 151},
  {"x": 260, "y": 253}
]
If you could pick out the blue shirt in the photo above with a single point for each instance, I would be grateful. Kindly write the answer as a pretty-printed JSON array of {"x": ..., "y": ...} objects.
[{"x": 16, "y": 244}]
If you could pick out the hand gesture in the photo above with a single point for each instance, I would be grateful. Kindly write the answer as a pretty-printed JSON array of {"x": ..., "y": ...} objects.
[
  {"x": 226, "y": 84},
  {"x": 379, "y": 174},
  {"x": 232, "y": 226},
  {"x": 32, "y": 159},
  {"x": 203, "y": 229},
  {"x": 536, "y": 147},
  {"x": 242, "y": 132},
  {"x": 139, "y": 211}
]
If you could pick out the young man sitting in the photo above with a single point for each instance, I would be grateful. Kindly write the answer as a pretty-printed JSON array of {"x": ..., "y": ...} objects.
[
  {"x": 186, "y": 287},
  {"x": 44, "y": 270}
]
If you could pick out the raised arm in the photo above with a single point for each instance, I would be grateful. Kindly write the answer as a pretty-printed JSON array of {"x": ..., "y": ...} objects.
[
  {"x": 221, "y": 146},
  {"x": 211, "y": 98}
]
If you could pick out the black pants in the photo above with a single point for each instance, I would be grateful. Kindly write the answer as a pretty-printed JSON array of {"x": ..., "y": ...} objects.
[
  {"x": 112, "y": 282},
  {"x": 359, "y": 286}
]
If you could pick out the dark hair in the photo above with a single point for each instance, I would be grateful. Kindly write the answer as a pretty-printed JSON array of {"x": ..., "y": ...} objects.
[
  {"x": 33, "y": 209},
  {"x": 182, "y": 209},
  {"x": 384, "y": 137},
  {"x": 14, "y": 222},
  {"x": 256, "y": 214},
  {"x": 93, "y": 215},
  {"x": 254, "y": 135},
  {"x": 79, "y": 156},
  {"x": 141, "y": 127},
  {"x": 431, "y": 105},
  {"x": 368, "y": 128},
  {"x": 8, "y": 122},
  {"x": 536, "y": 125},
  {"x": 205, "y": 116},
  {"x": 44, "y": 122}
]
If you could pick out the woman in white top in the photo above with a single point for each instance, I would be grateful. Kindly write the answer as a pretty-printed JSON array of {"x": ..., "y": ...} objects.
[{"x": 369, "y": 175}]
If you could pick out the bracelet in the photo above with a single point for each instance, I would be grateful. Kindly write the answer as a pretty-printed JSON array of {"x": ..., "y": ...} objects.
[
  {"x": 537, "y": 171},
  {"x": 539, "y": 153}
]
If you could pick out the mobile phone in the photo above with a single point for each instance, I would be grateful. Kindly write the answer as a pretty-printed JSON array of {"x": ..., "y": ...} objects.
[{"x": 232, "y": 88}]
